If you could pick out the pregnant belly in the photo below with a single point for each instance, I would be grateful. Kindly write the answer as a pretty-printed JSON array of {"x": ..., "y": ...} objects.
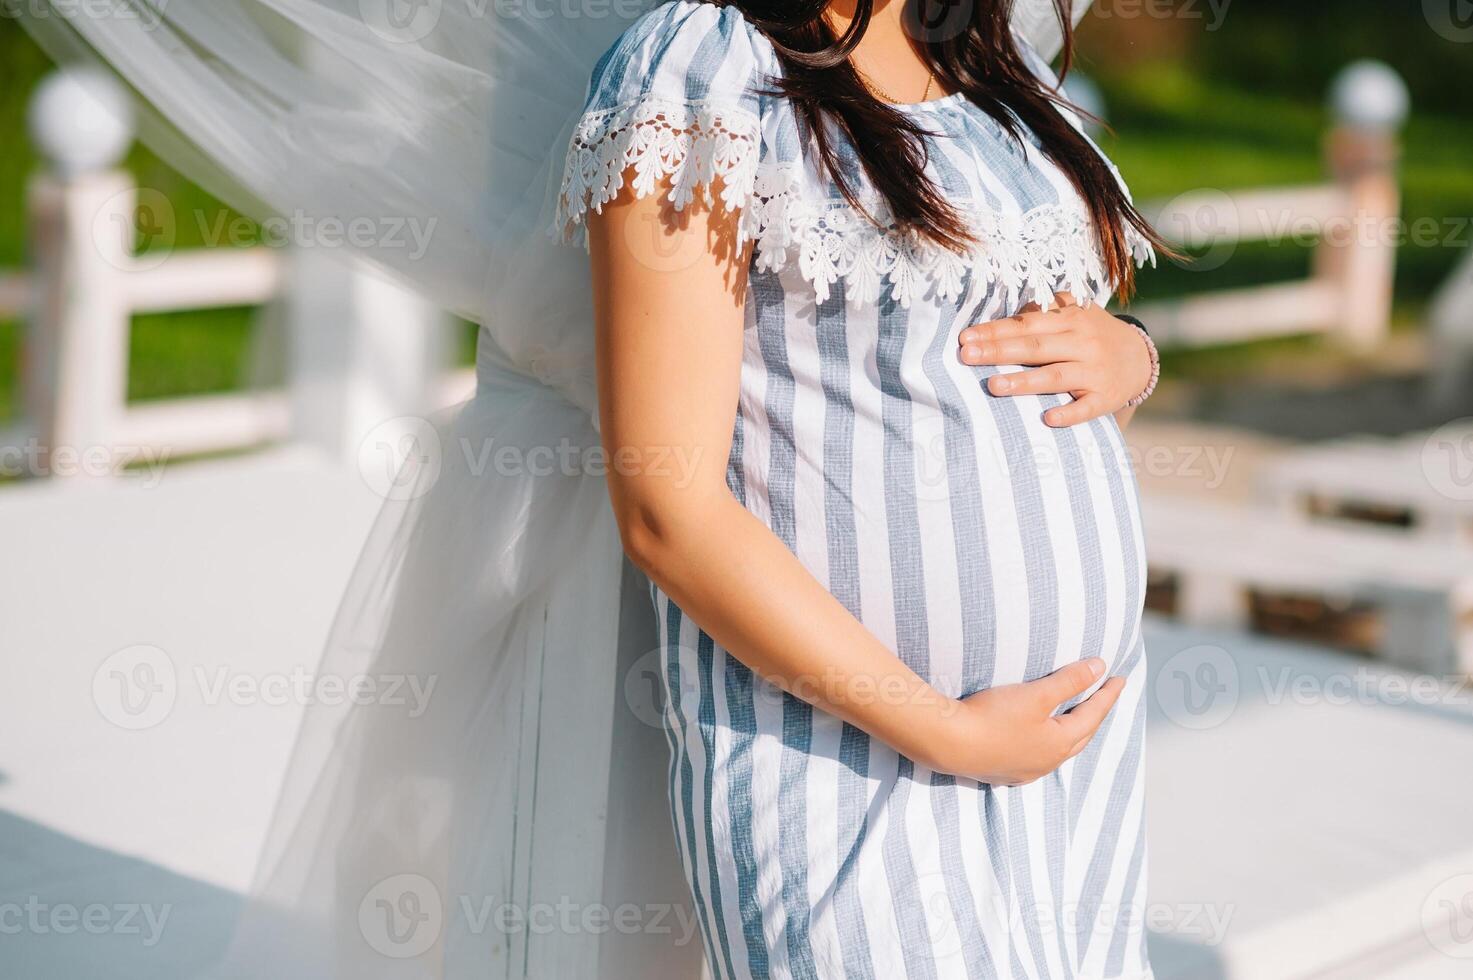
[
  {"x": 1046, "y": 566},
  {"x": 981, "y": 554}
]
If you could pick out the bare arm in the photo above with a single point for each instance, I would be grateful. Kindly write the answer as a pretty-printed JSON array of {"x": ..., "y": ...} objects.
[{"x": 668, "y": 293}]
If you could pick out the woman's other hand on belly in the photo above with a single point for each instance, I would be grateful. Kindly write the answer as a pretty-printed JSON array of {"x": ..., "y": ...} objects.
[{"x": 1010, "y": 735}]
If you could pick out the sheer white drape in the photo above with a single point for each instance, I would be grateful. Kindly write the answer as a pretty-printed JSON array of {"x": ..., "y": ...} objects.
[
  {"x": 452, "y": 114},
  {"x": 1038, "y": 21}
]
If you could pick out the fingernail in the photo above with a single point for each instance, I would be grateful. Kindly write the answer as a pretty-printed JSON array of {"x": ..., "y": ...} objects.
[
  {"x": 1096, "y": 667},
  {"x": 968, "y": 336},
  {"x": 1001, "y": 383},
  {"x": 972, "y": 353}
]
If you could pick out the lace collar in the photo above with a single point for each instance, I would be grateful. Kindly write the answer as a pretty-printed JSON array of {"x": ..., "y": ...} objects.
[{"x": 698, "y": 147}]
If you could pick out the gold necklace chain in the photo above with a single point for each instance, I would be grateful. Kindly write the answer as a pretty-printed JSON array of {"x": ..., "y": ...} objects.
[{"x": 886, "y": 96}]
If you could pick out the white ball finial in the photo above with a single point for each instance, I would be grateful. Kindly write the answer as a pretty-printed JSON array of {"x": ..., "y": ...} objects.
[
  {"x": 1370, "y": 95},
  {"x": 82, "y": 120}
]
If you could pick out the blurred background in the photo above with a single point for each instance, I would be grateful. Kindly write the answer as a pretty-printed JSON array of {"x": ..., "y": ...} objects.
[{"x": 1306, "y": 469}]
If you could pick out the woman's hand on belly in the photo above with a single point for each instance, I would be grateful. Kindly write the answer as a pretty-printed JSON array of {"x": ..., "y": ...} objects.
[
  {"x": 670, "y": 345},
  {"x": 1081, "y": 351},
  {"x": 1010, "y": 735}
]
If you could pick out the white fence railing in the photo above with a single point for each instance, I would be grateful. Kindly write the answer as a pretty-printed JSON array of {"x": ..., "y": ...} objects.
[
  {"x": 1353, "y": 223},
  {"x": 350, "y": 336},
  {"x": 360, "y": 350}
]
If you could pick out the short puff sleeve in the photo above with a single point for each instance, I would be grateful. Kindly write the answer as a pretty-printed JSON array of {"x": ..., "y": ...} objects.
[{"x": 678, "y": 98}]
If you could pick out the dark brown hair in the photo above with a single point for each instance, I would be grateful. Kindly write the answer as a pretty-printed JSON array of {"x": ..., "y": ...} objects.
[{"x": 969, "y": 47}]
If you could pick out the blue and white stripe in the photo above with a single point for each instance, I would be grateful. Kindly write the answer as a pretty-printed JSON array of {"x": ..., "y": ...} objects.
[{"x": 979, "y": 544}]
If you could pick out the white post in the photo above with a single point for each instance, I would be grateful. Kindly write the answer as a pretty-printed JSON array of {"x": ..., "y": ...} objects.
[
  {"x": 1370, "y": 103},
  {"x": 364, "y": 353},
  {"x": 82, "y": 225},
  {"x": 1213, "y": 600},
  {"x": 1450, "y": 322}
]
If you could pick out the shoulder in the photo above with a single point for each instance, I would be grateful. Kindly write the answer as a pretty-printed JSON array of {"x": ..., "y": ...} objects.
[
  {"x": 686, "y": 50},
  {"x": 680, "y": 104}
]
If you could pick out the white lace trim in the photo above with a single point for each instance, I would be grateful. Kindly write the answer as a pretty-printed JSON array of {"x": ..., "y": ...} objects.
[
  {"x": 1031, "y": 255},
  {"x": 658, "y": 139}
]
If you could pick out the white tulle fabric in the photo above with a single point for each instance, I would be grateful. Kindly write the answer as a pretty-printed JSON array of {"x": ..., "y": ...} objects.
[{"x": 457, "y": 115}]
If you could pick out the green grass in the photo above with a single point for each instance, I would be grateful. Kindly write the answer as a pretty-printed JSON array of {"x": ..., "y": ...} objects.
[
  {"x": 198, "y": 352},
  {"x": 1175, "y": 131},
  {"x": 9, "y": 371}
]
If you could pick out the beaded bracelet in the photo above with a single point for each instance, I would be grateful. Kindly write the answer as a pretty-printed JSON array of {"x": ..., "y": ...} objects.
[{"x": 1155, "y": 360}]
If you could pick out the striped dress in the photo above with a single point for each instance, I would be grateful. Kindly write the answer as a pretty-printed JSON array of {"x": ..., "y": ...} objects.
[{"x": 980, "y": 545}]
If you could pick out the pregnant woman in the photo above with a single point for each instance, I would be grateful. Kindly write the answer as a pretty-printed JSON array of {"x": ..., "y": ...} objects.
[
  {"x": 898, "y": 553},
  {"x": 838, "y": 357}
]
